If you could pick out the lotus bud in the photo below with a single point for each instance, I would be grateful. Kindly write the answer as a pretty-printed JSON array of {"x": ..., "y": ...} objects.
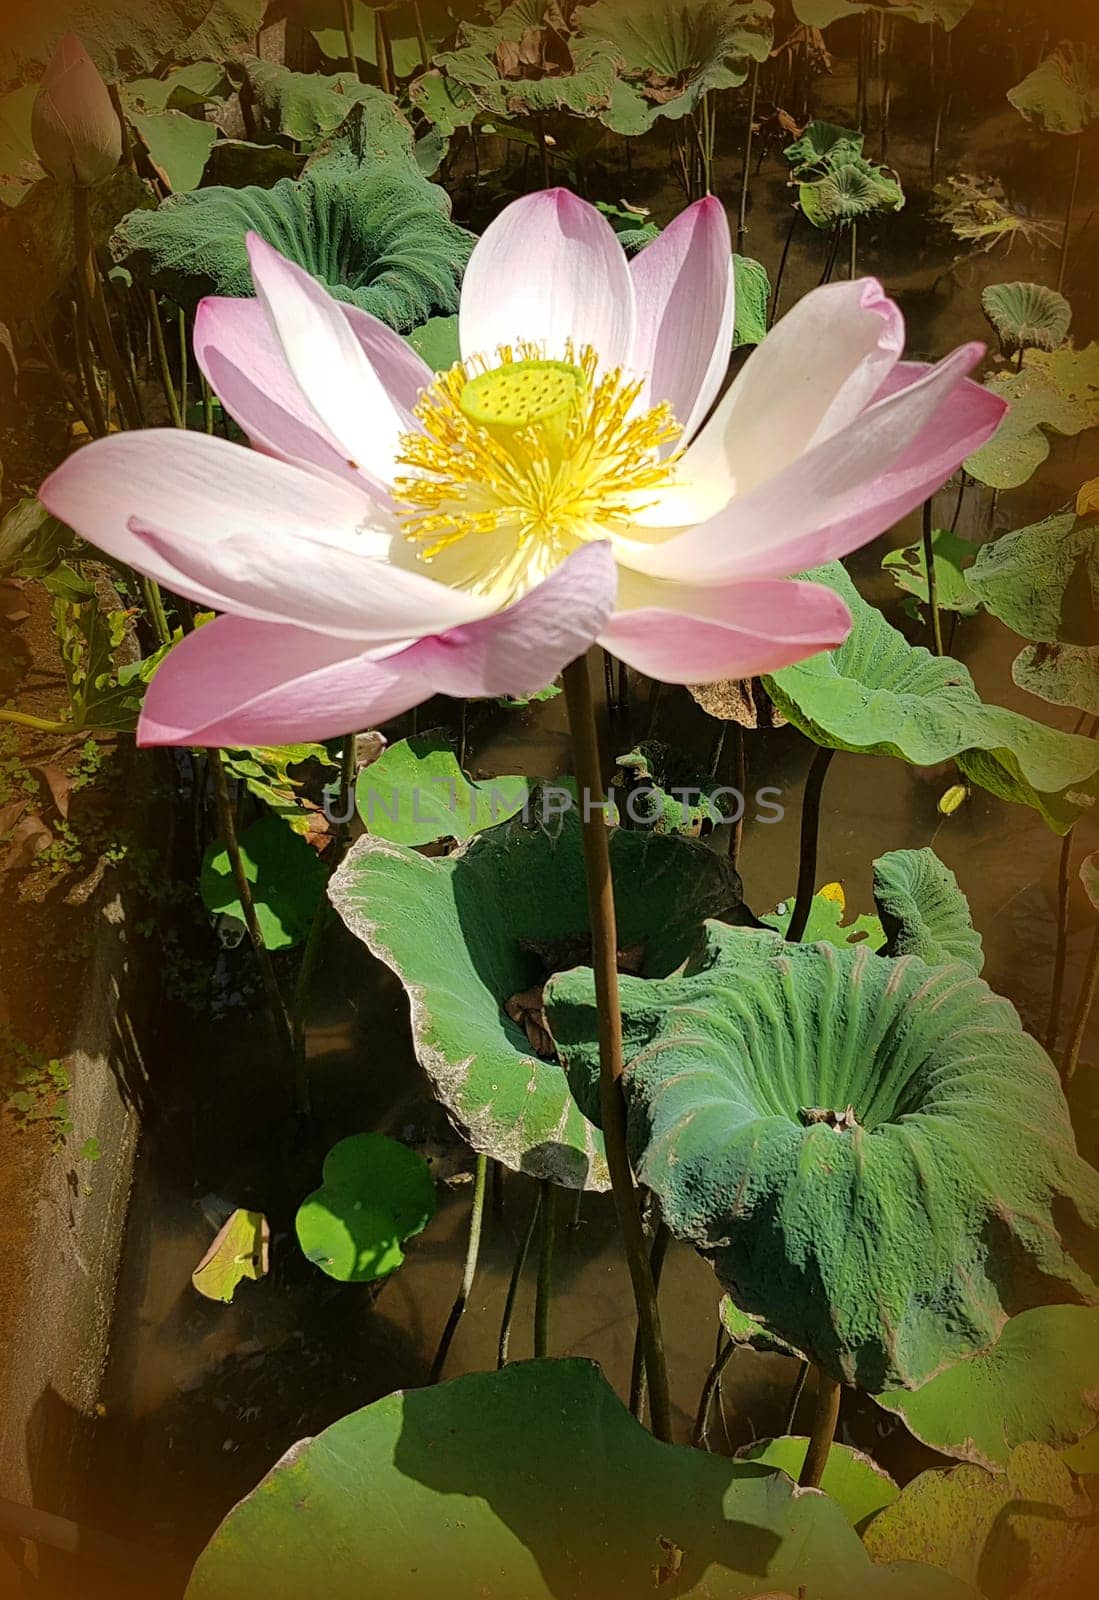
[{"x": 75, "y": 128}]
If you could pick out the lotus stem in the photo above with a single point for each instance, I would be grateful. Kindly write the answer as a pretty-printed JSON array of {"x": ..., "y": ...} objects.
[
  {"x": 469, "y": 1272},
  {"x": 381, "y": 51},
  {"x": 1069, "y": 209},
  {"x": 773, "y": 310},
  {"x": 623, "y": 687},
  {"x": 887, "y": 83},
  {"x": 514, "y": 1281},
  {"x": 544, "y": 1291},
  {"x": 302, "y": 990},
  {"x": 608, "y": 682},
  {"x": 963, "y": 484},
  {"x": 830, "y": 259},
  {"x": 349, "y": 39},
  {"x": 639, "y": 1388},
  {"x": 543, "y": 151},
  {"x": 597, "y": 862},
  {"x": 421, "y": 36},
  {"x": 810, "y": 840},
  {"x": 853, "y": 253},
  {"x": 154, "y": 604},
  {"x": 68, "y": 389},
  {"x": 700, "y": 1433},
  {"x": 740, "y": 751},
  {"x": 1083, "y": 1011},
  {"x": 163, "y": 368},
  {"x": 745, "y": 178},
  {"x": 825, "y": 1418},
  {"x": 90, "y": 291},
  {"x": 795, "y": 1395},
  {"x": 276, "y": 1006},
  {"x": 23, "y": 719},
  {"x": 1057, "y": 990},
  {"x": 932, "y": 578},
  {"x": 940, "y": 111}
]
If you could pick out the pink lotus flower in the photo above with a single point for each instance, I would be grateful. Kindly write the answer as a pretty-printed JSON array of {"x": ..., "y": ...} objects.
[{"x": 394, "y": 534}]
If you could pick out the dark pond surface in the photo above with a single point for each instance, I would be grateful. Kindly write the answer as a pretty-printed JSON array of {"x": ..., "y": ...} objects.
[{"x": 201, "y": 1399}]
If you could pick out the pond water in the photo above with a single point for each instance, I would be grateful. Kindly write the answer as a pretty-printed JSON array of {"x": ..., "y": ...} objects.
[{"x": 200, "y": 1399}]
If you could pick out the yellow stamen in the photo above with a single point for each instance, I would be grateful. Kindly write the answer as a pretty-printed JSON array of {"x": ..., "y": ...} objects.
[{"x": 520, "y": 462}]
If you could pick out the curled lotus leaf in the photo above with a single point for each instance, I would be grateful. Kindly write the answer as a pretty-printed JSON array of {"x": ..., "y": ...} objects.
[
  {"x": 1042, "y": 581},
  {"x": 923, "y": 911},
  {"x": 504, "y": 1478},
  {"x": 819, "y": 146},
  {"x": 1027, "y": 314},
  {"x": 1055, "y": 391},
  {"x": 1062, "y": 93},
  {"x": 374, "y": 232},
  {"x": 880, "y": 695},
  {"x": 1037, "y": 1382},
  {"x": 849, "y": 190},
  {"x": 873, "y": 1154},
  {"x": 673, "y": 52},
  {"x": 469, "y": 932}
]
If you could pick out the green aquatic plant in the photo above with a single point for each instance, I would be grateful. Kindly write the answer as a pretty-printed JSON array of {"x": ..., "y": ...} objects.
[
  {"x": 828, "y": 1127},
  {"x": 416, "y": 794},
  {"x": 374, "y": 1195},
  {"x": 952, "y": 558},
  {"x": 1027, "y": 315},
  {"x": 1061, "y": 95},
  {"x": 1042, "y": 581},
  {"x": 287, "y": 878},
  {"x": 1053, "y": 391}
]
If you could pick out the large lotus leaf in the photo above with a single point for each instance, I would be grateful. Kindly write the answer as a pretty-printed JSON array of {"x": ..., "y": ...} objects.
[
  {"x": 672, "y": 52},
  {"x": 1056, "y": 390},
  {"x": 376, "y": 234},
  {"x": 924, "y": 912},
  {"x": 126, "y": 37},
  {"x": 239, "y": 1251},
  {"x": 851, "y": 1478},
  {"x": 1006, "y": 1533},
  {"x": 880, "y": 695},
  {"x": 1038, "y": 1382},
  {"x": 849, "y": 190},
  {"x": 468, "y": 932},
  {"x": 526, "y": 62},
  {"x": 952, "y": 556},
  {"x": 1027, "y": 314},
  {"x": 308, "y": 106},
  {"x": 532, "y": 1483},
  {"x": 1062, "y": 674},
  {"x": 1062, "y": 93},
  {"x": 324, "y": 19},
  {"x": 444, "y": 102},
  {"x": 437, "y": 341},
  {"x": 753, "y": 296},
  {"x": 821, "y": 13},
  {"x": 873, "y": 1154},
  {"x": 1042, "y": 581}
]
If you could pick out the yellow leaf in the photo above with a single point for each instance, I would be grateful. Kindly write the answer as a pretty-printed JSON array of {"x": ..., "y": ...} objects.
[{"x": 1087, "y": 501}]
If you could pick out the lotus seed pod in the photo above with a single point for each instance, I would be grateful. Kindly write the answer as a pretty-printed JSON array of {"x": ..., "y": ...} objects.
[{"x": 75, "y": 128}]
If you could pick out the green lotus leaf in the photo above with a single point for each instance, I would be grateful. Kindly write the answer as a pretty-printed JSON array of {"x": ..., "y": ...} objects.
[
  {"x": 923, "y": 911},
  {"x": 324, "y": 19},
  {"x": 1062, "y": 674},
  {"x": 437, "y": 341},
  {"x": 673, "y": 52},
  {"x": 504, "y": 1478},
  {"x": 179, "y": 145},
  {"x": 1056, "y": 390},
  {"x": 849, "y": 189},
  {"x": 875, "y": 1157},
  {"x": 1062, "y": 93},
  {"x": 634, "y": 229},
  {"x": 851, "y": 1478},
  {"x": 1083, "y": 1458},
  {"x": 880, "y": 695},
  {"x": 468, "y": 932},
  {"x": 527, "y": 62},
  {"x": 308, "y": 106},
  {"x": 821, "y": 13},
  {"x": 127, "y": 37},
  {"x": 752, "y": 1331},
  {"x": 239, "y": 1251},
  {"x": 32, "y": 543},
  {"x": 1027, "y": 314},
  {"x": 416, "y": 793},
  {"x": 753, "y": 297},
  {"x": 1037, "y": 1382},
  {"x": 375, "y": 1194},
  {"x": 822, "y": 144},
  {"x": 1042, "y": 581},
  {"x": 826, "y": 922},
  {"x": 287, "y": 877},
  {"x": 952, "y": 556},
  {"x": 444, "y": 102},
  {"x": 265, "y": 772},
  {"x": 1007, "y": 1533},
  {"x": 183, "y": 89},
  {"x": 374, "y": 232}
]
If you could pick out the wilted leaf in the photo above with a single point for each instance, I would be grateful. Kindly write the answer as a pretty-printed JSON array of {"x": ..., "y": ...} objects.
[
  {"x": 1062, "y": 93},
  {"x": 923, "y": 911},
  {"x": 239, "y": 1251}
]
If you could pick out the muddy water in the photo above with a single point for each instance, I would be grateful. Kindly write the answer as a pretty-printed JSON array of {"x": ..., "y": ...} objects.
[{"x": 201, "y": 1399}]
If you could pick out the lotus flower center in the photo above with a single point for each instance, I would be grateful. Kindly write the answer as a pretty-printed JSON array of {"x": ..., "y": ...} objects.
[{"x": 517, "y": 463}]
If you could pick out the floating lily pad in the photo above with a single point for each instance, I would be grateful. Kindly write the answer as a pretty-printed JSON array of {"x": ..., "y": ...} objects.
[
  {"x": 468, "y": 932},
  {"x": 360, "y": 218},
  {"x": 923, "y": 911},
  {"x": 871, "y": 1152},
  {"x": 673, "y": 52},
  {"x": 504, "y": 1478},
  {"x": 1037, "y": 1382},
  {"x": 1056, "y": 391},
  {"x": 416, "y": 793},
  {"x": 1027, "y": 314},
  {"x": 239, "y": 1252},
  {"x": 826, "y": 921},
  {"x": 1062, "y": 674},
  {"x": 908, "y": 569},
  {"x": 1042, "y": 581},
  {"x": 287, "y": 878},
  {"x": 1062, "y": 93},
  {"x": 852, "y": 1479},
  {"x": 376, "y": 1193},
  {"x": 880, "y": 695},
  {"x": 1005, "y": 1534}
]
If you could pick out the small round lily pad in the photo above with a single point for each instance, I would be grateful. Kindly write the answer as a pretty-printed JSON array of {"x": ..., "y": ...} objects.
[{"x": 376, "y": 1194}]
